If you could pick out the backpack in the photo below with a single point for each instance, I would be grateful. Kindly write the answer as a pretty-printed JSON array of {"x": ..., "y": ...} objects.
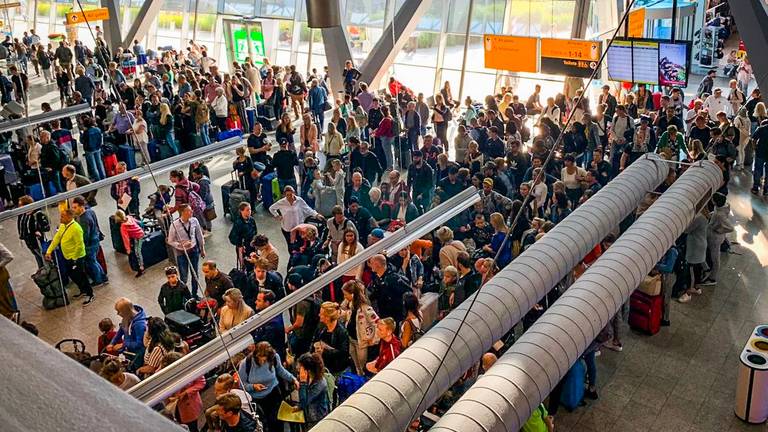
[
  {"x": 330, "y": 383},
  {"x": 194, "y": 200},
  {"x": 416, "y": 331},
  {"x": 347, "y": 384}
]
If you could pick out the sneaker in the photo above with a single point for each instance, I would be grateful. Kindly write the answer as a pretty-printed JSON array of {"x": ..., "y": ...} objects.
[
  {"x": 685, "y": 298},
  {"x": 613, "y": 346},
  {"x": 591, "y": 394},
  {"x": 755, "y": 191},
  {"x": 665, "y": 323},
  {"x": 696, "y": 291},
  {"x": 139, "y": 273},
  {"x": 88, "y": 300},
  {"x": 707, "y": 282}
]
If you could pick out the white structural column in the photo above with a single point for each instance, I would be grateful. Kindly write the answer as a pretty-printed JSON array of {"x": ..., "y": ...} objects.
[
  {"x": 503, "y": 398},
  {"x": 395, "y": 395}
]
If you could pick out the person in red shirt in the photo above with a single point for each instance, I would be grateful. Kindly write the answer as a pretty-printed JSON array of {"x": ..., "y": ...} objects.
[
  {"x": 389, "y": 346},
  {"x": 107, "y": 329}
]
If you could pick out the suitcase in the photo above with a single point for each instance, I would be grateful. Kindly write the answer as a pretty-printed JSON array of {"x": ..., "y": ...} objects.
[
  {"x": 164, "y": 151},
  {"x": 250, "y": 114},
  {"x": 190, "y": 327},
  {"x": 101, "y": 260},
  {"x": 114, "y": 234},
  {"x": 154, "y": 151},
  {"x": 269, "y": 124},
  {"x": 153, "y": 249},
  {"x": 183, "y": 322},
  {"x": 110, "y": 164},
  {"x": 10, "y": 171},
  {"x": 236, "y": 197},
  {"x": 47, "y": 280},
  {"x": 429, "y": 310},
  {"x": 36, "y": 191},
  {"x": 267, "y": 199},
  {"x": 573, "y": 386},
  {"x": 265, "y": 110},
  {"x": 59, "y": 261},
  {"x": 229, "y": 134},
  {"x": 645, "y": 312},
  {"x": 127, "y": 154},
  {"x": 227, "y": 189},
  {"x": 16, "y": 190}
]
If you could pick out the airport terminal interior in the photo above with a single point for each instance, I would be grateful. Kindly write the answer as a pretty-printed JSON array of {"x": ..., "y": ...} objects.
[{"x": 384, "y": 215}]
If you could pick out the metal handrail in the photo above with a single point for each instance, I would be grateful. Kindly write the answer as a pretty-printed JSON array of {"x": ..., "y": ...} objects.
[
  {"x": 170, "y": 379},
  {"x": 12, "y": 125},
  {"x": 156, "y": 167}
]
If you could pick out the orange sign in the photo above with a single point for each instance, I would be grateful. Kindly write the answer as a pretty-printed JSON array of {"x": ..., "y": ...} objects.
[
  {"x": 511, "y": 53},
  {"x": 571, "y": 49},
  {"x": 100, "y": 14},
  {"x": 636, "y": 23}
]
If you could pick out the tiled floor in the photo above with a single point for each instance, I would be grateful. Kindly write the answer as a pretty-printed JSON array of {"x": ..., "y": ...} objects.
[{"x": 681, "y": 380}]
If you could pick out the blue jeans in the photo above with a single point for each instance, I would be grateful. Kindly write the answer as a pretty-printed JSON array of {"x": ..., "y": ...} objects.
[
  {"x": 586, "y": 159},
  {"x": 92, "y": 266},
  {"x": 761, "y": 165},
  {"x": 589, "y": 359},
  {"x": 204, "y": 133},
  {"x": 184, "y": 265},
  {"x": 319, "y": 116},
  {"x": 386, "y": 148},
  {"x": 95, "y": 165}
]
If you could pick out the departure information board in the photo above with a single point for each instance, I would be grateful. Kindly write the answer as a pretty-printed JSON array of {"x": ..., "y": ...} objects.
[{"x": 649, "y": 61}]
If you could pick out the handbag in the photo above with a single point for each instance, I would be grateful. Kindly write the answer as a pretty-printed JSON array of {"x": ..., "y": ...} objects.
[
  {"x": 327, "y": 106},
  {"x": 651, "y": 285},
  {"x": 210, "y": 214}
]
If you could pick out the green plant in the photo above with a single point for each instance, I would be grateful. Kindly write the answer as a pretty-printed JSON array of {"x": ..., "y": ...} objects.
[{"x": 170, "y": 20}]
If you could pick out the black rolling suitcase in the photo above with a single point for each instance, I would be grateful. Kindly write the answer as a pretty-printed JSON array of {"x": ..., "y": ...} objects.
[
  {"x": 226, "y": 190},
  {"x": 153, "y": 249},
  {"x": 117, "y": 238},
  {"x": 189, "y": 326}
]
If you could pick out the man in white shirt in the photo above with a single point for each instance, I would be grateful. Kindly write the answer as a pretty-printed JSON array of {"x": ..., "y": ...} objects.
[
  {"x": 185, "y": 236},
  {"x": 291, "y": 211},
  {"x": 716, "y": 103}
]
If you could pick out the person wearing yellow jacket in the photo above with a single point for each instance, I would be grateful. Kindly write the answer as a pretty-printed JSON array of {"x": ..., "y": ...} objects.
[{"x": 70, "y": 237}]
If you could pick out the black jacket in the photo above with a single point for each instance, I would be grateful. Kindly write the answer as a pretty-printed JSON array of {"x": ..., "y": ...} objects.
[
  {"x": 387, "y": 291},
  {"x": 273, "y": 282},
  {"x": 28, "y": 224},
  {"x": 243, "y": 231}
]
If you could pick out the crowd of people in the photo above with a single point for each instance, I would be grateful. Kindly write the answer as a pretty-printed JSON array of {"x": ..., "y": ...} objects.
[{"x": 336, "y": 186}]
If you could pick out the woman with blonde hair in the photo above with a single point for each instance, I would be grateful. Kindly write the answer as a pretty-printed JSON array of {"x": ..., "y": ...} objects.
[
  {"x": 167, "y": 138},
  {"x": 308, "y": 134},
  {"x": 234, "y": 311},
  {"x": 334, "y": 143},
  {"x": 331, "y": 340},
  {"x": 352, "y": 129},
  {"x": 360, "y": 321},
  {"x": 349, "y": 247}
]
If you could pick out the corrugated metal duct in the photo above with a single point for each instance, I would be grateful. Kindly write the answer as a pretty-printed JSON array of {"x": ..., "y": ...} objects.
[
  {"x": 503, "y": 398},
  {"x": 391, "y": 398}
]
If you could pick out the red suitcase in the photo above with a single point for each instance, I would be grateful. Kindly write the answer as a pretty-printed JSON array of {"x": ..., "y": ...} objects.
[
  {"x": 110, "y": 165},
  {"x": 102, "y": 261},
  {"x": 645, "y": 312}
]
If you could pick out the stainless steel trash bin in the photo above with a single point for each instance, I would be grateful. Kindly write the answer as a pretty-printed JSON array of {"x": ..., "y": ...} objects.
[{"x": 752, "y": 382}]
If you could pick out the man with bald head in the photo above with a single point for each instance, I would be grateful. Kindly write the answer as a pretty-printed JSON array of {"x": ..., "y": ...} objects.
[
  {"x": 387, "y": 288},
  {"x": 130, "y": 335}
]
